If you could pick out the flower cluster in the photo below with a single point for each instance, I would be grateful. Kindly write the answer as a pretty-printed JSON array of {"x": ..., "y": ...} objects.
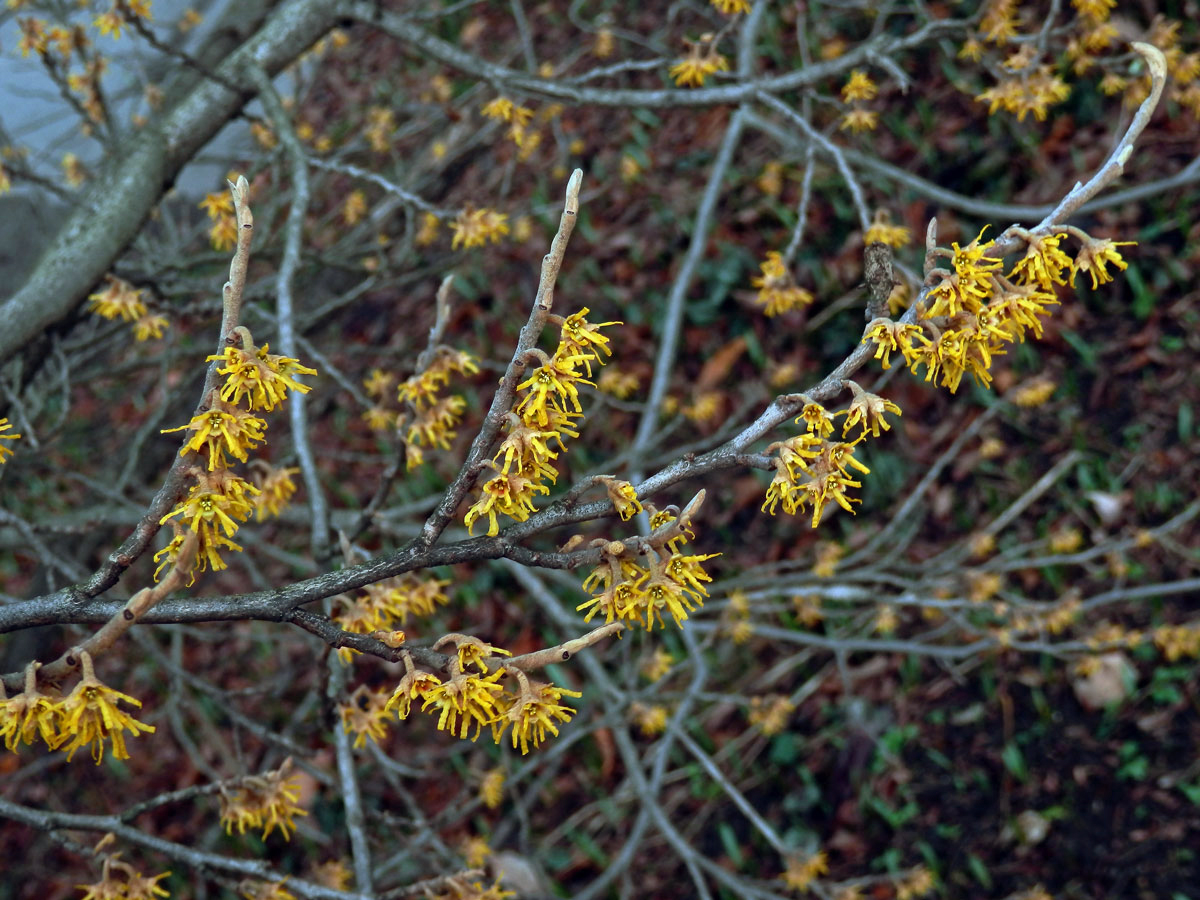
[
  {"x": 431, "y": 418},
  {"x": 637, "y": 586},
  {"x": 701, "y": 61},
  {"x": 266, "y": 801},
  {"x": 1029, "y": 81},
  {"x": 476, "y": 227},
  {"x": 974, "y": 309},
  {"x": 474, "y": 696},
  {"x": 365, "y": 714},
  {"x": 812, "y": 469},
  {"x": 532, "y": 712},
  {"x": 545, "y": 409},
  {"x": 884, "y": 232},
  {"x": 218, "y": 500},
  {"x": 121, "y": 881},
  {"x": 386, "y": 602},
  {"x": 88, "y": 716},
  {"x": 777, "y": 289},
  {"x": 518, "y": 119},
  {"x": 219, "y": 207},
  {"x": 121, "y": 300},
  {"x": 859, "y": 89}
]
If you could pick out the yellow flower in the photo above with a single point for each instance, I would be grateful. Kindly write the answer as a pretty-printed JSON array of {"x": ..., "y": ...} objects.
[
  {"x": 491, "y": 789},
  {"x": 622, "y": 495},
  {"x": 262, "y": 378},
  {"x": 475, "y": 851},
  {"x": 471, "y": 697},
  {"x": 803, "y": 870},
  {"x": 650, "y": 720},
  {"x": 222, "y": 428},
  {"x": 1034, "y": 393},
  {"x": 132, "y": 886},
  {"x": 354, "y": 207},
  {"x": 616, "y": 383},
  {"x": 109, "y": 23},
  {"x": 30, "y": 715},
  {"x": 857, "y": 120},
  {"x": 770, "y": 714},
  {"x": 658, "y": 665},
  {"x": 702, "y": 60},
  {"x": 5, "y": 450},
  {"x": 1094, "y": 255},
  {"x": 413, "y": 685},
  {"x": 918, "y": 883},
  {"x": 777, "y": 290},
  {"x": 1095, "y": 10},
  {"x": 119, "y": 299},
  {"x": 581, "y": 338},
  {"x": 533, "y": 713},
  {"x": 366, "y": 715},
  {"x": 475, "y": 227},
  {"x": 275, "y": 489},
  {"x": 883, "y": 231},
  {"x": 731, "y": 7},
  {"x": 474, "y": 652},
  {"x": 606, "y": 44},
  {"x": 551, "y": 383},
  {"x": 90, "y": 715},
  {"x": 266, "y": 801},
  {"x": 867, "y": 409},
  {"x": 817, "y": 418},
  {"x": 150, "y": 326},
  {"x": 189, "y": 20},
  {"x": 859, "y": 87},
  {"x": 223, "y": 234}
]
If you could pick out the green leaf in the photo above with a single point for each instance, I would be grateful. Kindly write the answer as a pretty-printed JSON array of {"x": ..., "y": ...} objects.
[
  {"x": 729, "y": 841},
  {"x": 1014, "y": 761},
  {"x": 1143, "y": 297}
]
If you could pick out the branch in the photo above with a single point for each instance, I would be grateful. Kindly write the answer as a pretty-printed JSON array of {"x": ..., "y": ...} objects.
[{"x": 113, "y": 211}]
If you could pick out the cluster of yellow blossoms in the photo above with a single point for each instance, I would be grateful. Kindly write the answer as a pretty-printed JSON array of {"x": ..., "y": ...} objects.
[
  {"x": 476, "y": 227},
  {"x": 701, "y": 61},
  {"x": 431, "y": 419},
  {"x": 545, "y": 409},
  {"x": 1029, "y": 83},
  {"x": 810, "y": 469},
  {"x": 472, "y": 696},
  {"x": 121, "y": 881},
  {"x": 88, "y": 716},
  {"x": 121, "y": 300},
  {"x": 434, "y": 417},
  {"x": 219, "y": 207},
  {"x": 266, "y": 801},
  {"x": 777, "y": 289},
  {"x": 518, "y": 119},
  {"x": 859, "y": 89},
  {"x": 219, "y": 499},
  {"x": 636, "y": 586},
  {"x": 971, "y": 312},
  {"x": 974, "y": 310},
  {"x": 387, "y": 602}
]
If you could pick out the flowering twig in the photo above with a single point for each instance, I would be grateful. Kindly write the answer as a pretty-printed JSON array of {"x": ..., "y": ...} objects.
[{"x": 502, "y": 401}]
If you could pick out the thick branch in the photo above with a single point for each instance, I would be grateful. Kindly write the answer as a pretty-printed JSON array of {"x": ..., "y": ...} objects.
[{"x": 113, "y": 211}]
